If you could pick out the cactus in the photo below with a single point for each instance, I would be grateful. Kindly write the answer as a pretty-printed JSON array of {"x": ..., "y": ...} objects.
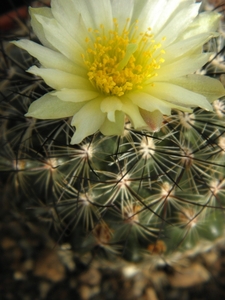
[{"x": 140, "y": 196}]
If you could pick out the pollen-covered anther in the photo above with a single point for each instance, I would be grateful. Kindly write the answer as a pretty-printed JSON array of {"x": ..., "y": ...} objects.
[{"x": 120, "y": 62}]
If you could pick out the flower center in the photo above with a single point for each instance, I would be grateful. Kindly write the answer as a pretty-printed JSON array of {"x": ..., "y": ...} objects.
[{"x": 121, "y": 62}]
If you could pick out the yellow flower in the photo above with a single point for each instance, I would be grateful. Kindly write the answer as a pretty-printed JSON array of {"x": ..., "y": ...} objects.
[{"x": 107, "y": 59}]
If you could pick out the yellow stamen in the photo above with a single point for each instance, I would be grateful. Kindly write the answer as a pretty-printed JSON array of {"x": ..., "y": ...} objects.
[{"x": 120, "y": 62}]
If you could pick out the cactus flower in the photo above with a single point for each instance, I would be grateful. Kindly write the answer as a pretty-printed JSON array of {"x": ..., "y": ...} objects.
[{"x": 110, "y": 59}]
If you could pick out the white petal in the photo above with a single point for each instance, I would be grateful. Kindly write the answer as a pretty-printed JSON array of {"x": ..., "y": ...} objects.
[
  {"x": 149, "y": 102},
  {"x": 178, "y": 95},
  {"x": 75, "y": 95},
  {"x": 178, "y": 24},
  {"x": 181, "y": 67},
  {"x": 186, "y": 47},
  {"x": 87, "y": 120},
  {"x": 59, "y": 79},
  {"x": 122, "y": 12},
  {"x": 50, "y": 58},
  {"x": 146, "y": 12},
  {"x": 109, "y": 105},
  {"x": 113, "y": 128},
  {"x": 158, "y": 13},
  {"x": 205, "y": 22},
  {"x": 61, "y": 40},
  {"x": 50, "y": 107},
  {"x": 37, "y": 27},
  {"x": 133, "y": 113},
  {"x": 154, "y": 119},
  {"x": 209, "y": 87},
  {"x": 67, "y": 15},
  {"x": 168, "y": 11},
  {"x": 95, "y": 13}
]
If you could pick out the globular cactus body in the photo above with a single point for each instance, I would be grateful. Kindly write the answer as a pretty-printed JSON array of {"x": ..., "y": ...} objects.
[{"x": 138, "y": 196}]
